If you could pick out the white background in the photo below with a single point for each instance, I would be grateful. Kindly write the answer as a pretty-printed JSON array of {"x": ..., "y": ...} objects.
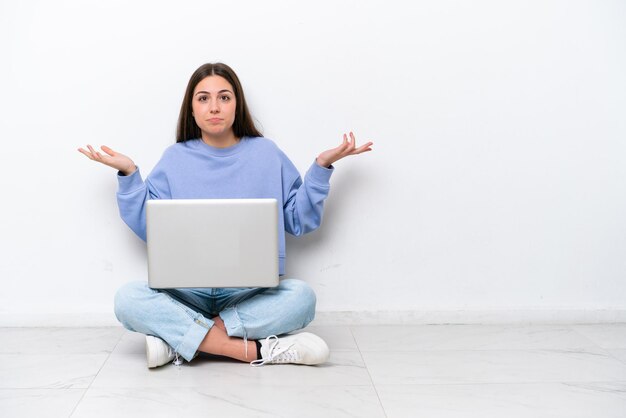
[{"x": 496, "y": 186}]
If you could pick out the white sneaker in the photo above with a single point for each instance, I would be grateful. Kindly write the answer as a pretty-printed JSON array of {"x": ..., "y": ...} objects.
[
  {"x": 303, "y": 348},
  {"x": 158, "y": 352}
]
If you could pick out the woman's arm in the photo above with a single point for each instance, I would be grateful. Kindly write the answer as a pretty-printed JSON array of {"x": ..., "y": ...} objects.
[{"x": 304, "y": 204}]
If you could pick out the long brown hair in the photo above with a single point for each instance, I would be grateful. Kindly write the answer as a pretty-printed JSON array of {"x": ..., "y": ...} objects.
[{"x": 242, "y": 126}]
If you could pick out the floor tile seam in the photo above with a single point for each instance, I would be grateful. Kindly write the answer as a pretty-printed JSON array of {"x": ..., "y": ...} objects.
[
  {"x": 61, "y": 350},
  {"x": 344, "y": 350},
  {"x": 109, "y": 356},
  {"x": 369, "y": 375},
  {"x": 493, "y": 350},
  {"x": 78, "y": 402},
  {"x": 502, "y": 383},
  {"x": 419, "y": 350},
  {"x": 41, "y": 388},
  {"x": 506, "y": 325},
  {"x": 356, "y": 343},
  {"x": 97, "y": 373},
  {"x": 525, "y": 383},
  {"x": 572, "y": 327},
  {"x": 60, "y": 353},
  {"x": 251, "y": 384},
  {"x": 621, "y": 360}
]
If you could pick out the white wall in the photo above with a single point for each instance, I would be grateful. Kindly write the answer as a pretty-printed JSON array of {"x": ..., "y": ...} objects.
[{"x": 496, "y": 188}]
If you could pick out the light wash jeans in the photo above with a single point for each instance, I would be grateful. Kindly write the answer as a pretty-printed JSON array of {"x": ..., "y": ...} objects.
[{"x": 182, "y": 317}]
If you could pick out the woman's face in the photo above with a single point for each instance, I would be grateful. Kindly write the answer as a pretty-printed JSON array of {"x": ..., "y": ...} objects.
[{"x": 213, "y": 106}]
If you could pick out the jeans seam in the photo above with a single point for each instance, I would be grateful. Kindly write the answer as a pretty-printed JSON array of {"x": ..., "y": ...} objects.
[
  {"x": 187, "y": 310},
  {"x": 237, "y": 317},
  {"x": 203, "y": 324},
  {"x": 243, "y": 328}
]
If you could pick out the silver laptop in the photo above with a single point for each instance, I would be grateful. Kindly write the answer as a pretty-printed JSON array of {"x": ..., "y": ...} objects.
[{"x": 212, "y": 243}]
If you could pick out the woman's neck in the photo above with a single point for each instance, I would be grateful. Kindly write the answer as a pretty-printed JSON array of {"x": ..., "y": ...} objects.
[{"x": 220, "y": 141}]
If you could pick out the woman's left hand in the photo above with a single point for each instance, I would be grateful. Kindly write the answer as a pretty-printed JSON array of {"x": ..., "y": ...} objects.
[{"x": 348, "y": 147}]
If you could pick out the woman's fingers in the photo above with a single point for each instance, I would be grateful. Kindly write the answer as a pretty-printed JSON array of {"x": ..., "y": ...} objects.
[
  {"x": 109, "y": 158},
  {"x": 108, "y": 150},
  {"x": 94, "y": 153},
  {"x": 363, "y": 148},
  {"x": 350, "y": 146},
  {"x": 87, "y": 153},
  {"x": 346, "y": 148}
]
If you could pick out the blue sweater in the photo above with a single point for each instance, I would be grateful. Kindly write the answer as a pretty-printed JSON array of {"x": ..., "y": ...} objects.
[{"x": 252, "y": 168}]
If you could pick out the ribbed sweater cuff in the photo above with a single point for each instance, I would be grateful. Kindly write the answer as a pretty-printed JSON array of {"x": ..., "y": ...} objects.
[
  {"x": 129, "y": 184},
  {"x": 320, "y": 175}
]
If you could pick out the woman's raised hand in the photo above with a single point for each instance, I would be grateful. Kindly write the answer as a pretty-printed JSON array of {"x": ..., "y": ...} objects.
[
  {"x": 348, "y": 147},
  {"x": 111, "y": 158}
]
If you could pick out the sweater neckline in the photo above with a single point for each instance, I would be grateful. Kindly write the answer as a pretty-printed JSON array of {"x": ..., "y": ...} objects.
[{"x": 222, "y": 152}]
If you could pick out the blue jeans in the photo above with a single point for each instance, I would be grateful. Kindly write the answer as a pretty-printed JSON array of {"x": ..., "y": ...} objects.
[{"x": 182, "y": 317}]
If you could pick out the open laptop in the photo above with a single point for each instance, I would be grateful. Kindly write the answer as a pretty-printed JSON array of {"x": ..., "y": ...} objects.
[{"x": 212, "y": 243}]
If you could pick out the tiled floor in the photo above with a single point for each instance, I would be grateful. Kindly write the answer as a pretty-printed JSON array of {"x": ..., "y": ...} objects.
[{"x": 374, "y": 371}]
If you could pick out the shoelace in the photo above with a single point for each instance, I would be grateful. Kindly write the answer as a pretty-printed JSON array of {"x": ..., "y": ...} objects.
[
  {"x": 170, "y": 352},
  {"x": 177, "y": 361},
  {"x": 276, "y": 354}
]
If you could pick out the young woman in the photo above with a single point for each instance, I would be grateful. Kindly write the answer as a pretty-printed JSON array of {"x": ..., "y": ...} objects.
[{"x": 219, "y": 153}]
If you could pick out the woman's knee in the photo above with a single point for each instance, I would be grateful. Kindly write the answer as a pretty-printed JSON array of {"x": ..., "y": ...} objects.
[
  {"x": 303, "y": 297},
  {"x": 127, "y": 298}
]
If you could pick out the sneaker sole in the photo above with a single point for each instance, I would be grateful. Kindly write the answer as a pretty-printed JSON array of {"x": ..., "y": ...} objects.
[
  {"x": 151, "y": 347},
  {"x": 318, "y": 344}
]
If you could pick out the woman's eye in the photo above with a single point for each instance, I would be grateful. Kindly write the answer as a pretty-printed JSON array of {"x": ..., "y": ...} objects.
[
  {"x": 202, "y": 98},
  {"x": 225, "y": 98}
]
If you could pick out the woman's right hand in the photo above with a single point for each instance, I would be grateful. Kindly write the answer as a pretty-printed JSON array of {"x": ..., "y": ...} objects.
[{"x": 120, "y": 162}]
